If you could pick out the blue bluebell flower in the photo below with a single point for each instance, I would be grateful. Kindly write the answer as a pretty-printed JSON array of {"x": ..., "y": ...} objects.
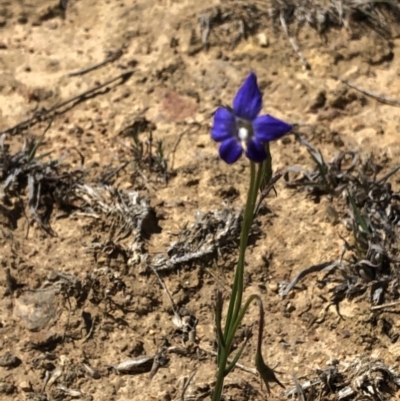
[{"x": 240, "y": 128}]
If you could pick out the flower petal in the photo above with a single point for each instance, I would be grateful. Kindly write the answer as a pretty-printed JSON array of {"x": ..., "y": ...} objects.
[
  {"x": 224, "y": 126},
  {"x": 230, "y": 150},
  {"x": 248, "y": 100},
  {"x": 256, "y": 151},
  {"x": 268, "y": 128}
]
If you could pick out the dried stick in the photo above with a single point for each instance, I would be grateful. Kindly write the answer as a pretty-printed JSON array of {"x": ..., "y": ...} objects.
[
  {"x": 380, "y": 98},
  {"x": 253, "y": 371},
  {"x": 166, "y": 290},
  {"x": 388, "y": 305},
  {"x": 79, "y": 98},
  {"x": 327, "y": 266},
  {"x": 187, "y": 384},
  {"x": 292, "y": 41},
  {"x": 112, "y": 56}
]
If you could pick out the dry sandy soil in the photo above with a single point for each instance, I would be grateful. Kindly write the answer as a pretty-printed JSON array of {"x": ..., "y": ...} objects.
[{"x": 87, "y": 218}]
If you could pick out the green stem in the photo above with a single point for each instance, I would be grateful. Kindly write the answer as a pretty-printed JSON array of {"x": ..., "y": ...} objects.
[
  {"x": 237, "y": 289},
  {"x": 236, "y": 323},
  {"x": 219, "y": 385},
  {"x": 247, "y": 222},
  {"x": 235, "y": 312}
]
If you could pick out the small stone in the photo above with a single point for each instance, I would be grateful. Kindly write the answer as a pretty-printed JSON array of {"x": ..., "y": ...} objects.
[
  {"x": 328, "y": 115},
  {"x": 22, "y": 18},
  {"x": 6, "y": 388},
  {"x": 333, "y": 362},
  {"x": 319, "y": 101},
  {"x": 286, "y": 140},
  {"x": 25, "y": 386},
  {"x": 38, "y": 309},
  {"x": 346, "y": 333},
  {"x": 199, "y": 119},
  {"x": 135, "y": 348},
  {"x": 52, "y": 25},
  {"x": 337, "y": 141},
  {"x": 332, "y": 215},
  {"x": 9, "y": 360},
  {"x": 262, "y": 39},
  {"x": 273, "y": 287},
  {"x": 88, "y": 126},
  {"x": 74, "y": 129}
]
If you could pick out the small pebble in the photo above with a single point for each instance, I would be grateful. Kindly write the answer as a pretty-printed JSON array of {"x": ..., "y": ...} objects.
[
  {"x": 273, "y": 287},
  {"x": 25, "y": 386},
  {"x": 263, "y": 40}
]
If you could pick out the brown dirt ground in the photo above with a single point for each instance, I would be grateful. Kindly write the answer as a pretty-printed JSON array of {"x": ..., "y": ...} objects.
[{"x": 176, "y": 86}]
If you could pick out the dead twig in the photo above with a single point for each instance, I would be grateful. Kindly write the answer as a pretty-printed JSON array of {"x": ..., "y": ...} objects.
[
  {"x": 388, "y": 305},
  {"x": 90, "y": 332},
  {"x": 141, "y": 364},
  {"x": 186, "y": 384},
  {"x": 312, "y": 269},
  {"x": 178, "y": 141},
  {"x": 253, "y": 371},
  {"x": 10, "y": 282},
  {"x": 388, "y": 175},
  {"x": 299, "y": 390},
  {"x": 380, "y": 98},
  {"x": 166, "y": 290},
  {"x": 105, "y": 180},
  {"x": 70, "y": 392},
  {"x": 45, "y": 114},
  {"x": 150, "y": 187},
  {"x": 218, "y": 280},
  {"x": 186, "y": 324},
  {"x": 293, "y": 42},
  {"x": 111, "y": 57},
  {"x": 265, "y": 192}
]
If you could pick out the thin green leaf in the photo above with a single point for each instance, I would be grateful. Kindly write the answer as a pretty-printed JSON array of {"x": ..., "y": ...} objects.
[
  {"x": 218, "y": 319},
  {"x": 266, "y": 373},
  {"x": 234, "y": 361},
  {"x": 359, "y": 218}
]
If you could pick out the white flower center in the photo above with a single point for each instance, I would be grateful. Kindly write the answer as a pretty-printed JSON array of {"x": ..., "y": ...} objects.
[{"x": 243, "y": 134}]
